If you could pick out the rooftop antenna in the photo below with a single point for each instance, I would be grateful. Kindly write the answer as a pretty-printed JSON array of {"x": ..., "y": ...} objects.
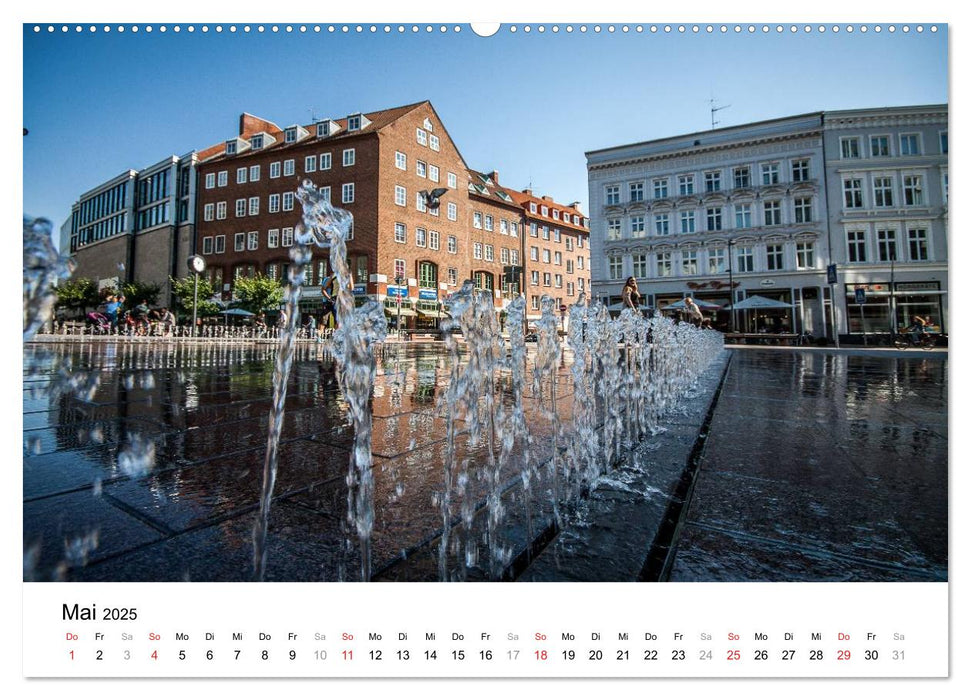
[
  {"x": 313, "y": 115},
  {"x": 714, "y": 109}
]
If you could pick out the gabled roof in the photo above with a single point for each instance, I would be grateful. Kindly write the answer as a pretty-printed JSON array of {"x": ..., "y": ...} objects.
[{"x": 523, "y": 199}]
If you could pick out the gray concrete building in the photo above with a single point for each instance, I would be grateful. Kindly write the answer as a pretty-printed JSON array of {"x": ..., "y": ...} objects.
[
  {"x": 138, "y": 226},
  {"x": 887, "y": 182},
  {"x": 764, "y": 208},
  {"x": 719, "y": 215}
]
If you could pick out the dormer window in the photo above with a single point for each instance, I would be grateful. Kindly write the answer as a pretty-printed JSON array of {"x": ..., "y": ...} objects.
[
  {"x": 231, "y": 148},
  {"x": 556, "y": 214},
  {"x": 256, "y": 142},
  {"x": 354, "y": 123},
  {"x": 503, "y": 196},
  {"x": 532, "y": 207},
  {"x": 428, "y": 124},
  {"x": 290, "y": 135},
  {"x": 323, "y": 129},
  {"x": 546, "y": 211}
]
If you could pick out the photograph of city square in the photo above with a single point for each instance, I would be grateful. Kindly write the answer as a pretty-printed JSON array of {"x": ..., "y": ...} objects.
[{"x": 407, "y": 303}]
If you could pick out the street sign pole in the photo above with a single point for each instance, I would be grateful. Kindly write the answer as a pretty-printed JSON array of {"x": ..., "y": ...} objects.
[{"x": 831, "y": 279}]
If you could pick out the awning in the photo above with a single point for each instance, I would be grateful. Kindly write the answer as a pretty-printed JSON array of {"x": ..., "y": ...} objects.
[
  {"x": 433, "y": 314},
  {"x": 403, "y": 311}
]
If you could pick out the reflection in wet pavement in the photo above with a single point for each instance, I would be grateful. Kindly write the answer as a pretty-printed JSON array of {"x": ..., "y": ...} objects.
[{"x": 822, "y": 467}]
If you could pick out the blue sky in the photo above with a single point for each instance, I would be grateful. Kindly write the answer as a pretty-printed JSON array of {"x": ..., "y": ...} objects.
[{"x": 528, "y": 105}]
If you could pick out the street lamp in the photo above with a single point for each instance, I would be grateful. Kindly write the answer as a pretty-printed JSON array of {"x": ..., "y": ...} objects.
[
  {"x": 731, "y": 287},
  {"x": 398, "y": 279},
  {"x": 197, "y": 265}
]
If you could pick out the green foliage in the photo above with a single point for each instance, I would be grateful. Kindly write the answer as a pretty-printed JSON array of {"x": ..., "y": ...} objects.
[
  {"x": 258, "y": 293},
  {"x": 138, "y": 292},
  {"x": 78, "y": 294},
  {"x": 182, "y": 291}
]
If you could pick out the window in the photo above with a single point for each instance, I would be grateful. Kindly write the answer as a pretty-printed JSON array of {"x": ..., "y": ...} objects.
[
  {"x": 421, "y": 238},
  {"x": 239, "y": 242},
  {"x": 714, "y": 218},
  {"x": 433, "y": 240},
  {"x": 421, "y": 136},
  {"x": 210, "y": 180},
  {"x": 546, "y": 256},
  {"x": 637, "y": 229},
  {"x": 910, "y": 144},
  {"x": 453, "y": 211},
  {"x": 713, "y": 181},
  {"x": 917, "y": 240},
  {"x": 489, "y": 225},
  {"x": 547, "y": 279},
  {"x": 743, "y": 216},
  {"x": 662, "y": 225},
  {"x": 883, "y": 192},
  {"x": 254, "y": 173},
  {"x": 400, "y": 160},
  {"x": 477, "y": 251},
  {"x": 665, "y": 264},
  {"x": 220, "y": 210},
  {"x": 686, "y": 184},
  {"x": 207, "y": 212},
  {"x": 310, "y": 164},
  {"x": 850, "y": 147},
  {"x": 207, "y": 245},
  {"x": 856, "y": 246},
  {"x": 288, "y": 201},
  {"x": 399, "y": 269},
  {"x": 477, "y": 219},
  {"x": 660, "y": 188},
  {"x": 532, "y": 207},
  {"x": 241, "y": 176},
  {"x": 400, "y": 196},
  {"x": 504, "y": 256},
  {"x": 273, "y": 238},
  {"x": 637, "y": 191},
  {"x": 546, "y": 232},
  {"x": 879, "y": 146},
  {"x": 421, "y": 168},
  {"x": 275, "y": 169},
  {"x": 433, "y": 173},
  {"x": 556, "y": 214},
  {"x": 453, "y": 276},
  {"x": 349, "y": 157},
  {"x": 742, "y": 176},
  {"x": 612, "y": 194},
  {"x": 534, "y": 253},
  {"x": 534, "y": 278},
  {"x": 452, "y": 180},
  {"x": 805, "y": 256},
  {"x": 288, "y": 167},
  {"x": 716, "y": 261},
  {"x": 886, "y": 245},
  {"x": 254, "y": 206},
  {"x": 347, "y": 193},
  {"x": 557, "y": 280},
  {"x": 286, "y": 237},
  {"x": 290, "y": 135},
  {"x": 545, "y": 211},
  {"x": 354, "y": 123},
  {"x": 772, "y": 212},
  {"x": 420, "y": 202},
  {"x": 231, "y": 148},
  {"x": 913, "y": 190},
  {"x": 744, "y": 259},
  {"x": 220, "y": 244},
  {"x": 689, "y": 262},
  {"x": 800, "y": 170},
  {"x": 533, "y": 229},
  {"x": 252, "y": 240},
  {"x": 325, "y": 161},
  {"x": 613, "y": 229},
  {"x": 770, "y": 173},
  {"x": 222, "y": 178},
  {"x": 773, "y": 257},
  {"x": 534, "y": 302},
  {"x": 803, "y": 209},
  {"x": 569, "y": 267},
  {"x": 503, "y": 227},
  {"x": 453, "y": 246},
  {"x": 240, "y": 207},
  {"x": 433, "y": 142},
  {"x": 490, "y": 255},
  {"x": 400, "y": 233},
  {"x": 853, "y": 193},
  {"x": 943, "y": 142},
  {"x": 513, "y": 257},
  {"x": 687, "y": 222}
]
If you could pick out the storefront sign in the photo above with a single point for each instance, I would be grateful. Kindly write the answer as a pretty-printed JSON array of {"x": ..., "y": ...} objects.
[
  {"x": 767, "y": 283},
  {"x": 360, "y": 290},
  {"x": 860, "y": 294},
  {"x": 917, "y": 286},
  {"x": 397, "y": 291},
  {"x": 428, "y": 294}
]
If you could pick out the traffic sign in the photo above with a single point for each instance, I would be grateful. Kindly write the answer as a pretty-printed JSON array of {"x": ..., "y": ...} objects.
[{"x": 860, "y": 295}]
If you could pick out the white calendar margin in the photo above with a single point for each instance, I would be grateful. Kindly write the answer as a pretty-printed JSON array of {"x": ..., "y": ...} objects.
[{"x": 440, "y": 10}]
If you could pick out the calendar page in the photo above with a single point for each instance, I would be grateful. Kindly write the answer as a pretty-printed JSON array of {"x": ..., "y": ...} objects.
[{"x": 537, "y": 349}]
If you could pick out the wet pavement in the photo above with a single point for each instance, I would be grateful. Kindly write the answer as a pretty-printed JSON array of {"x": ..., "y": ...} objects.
[
  {"x": 822, "y": 466},
  {"x": 818, "y": 466}
]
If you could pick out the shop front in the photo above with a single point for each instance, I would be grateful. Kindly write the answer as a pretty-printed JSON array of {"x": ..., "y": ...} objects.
[{"x": 880, "y": 308}]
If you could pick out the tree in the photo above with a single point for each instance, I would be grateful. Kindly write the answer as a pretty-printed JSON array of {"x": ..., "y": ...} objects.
[
  {"x": 183, "y": 292},
  {"x": 258, "y": 293},
  {"x": 78, "y": 294},
  {"x": 138, "y": 292}
]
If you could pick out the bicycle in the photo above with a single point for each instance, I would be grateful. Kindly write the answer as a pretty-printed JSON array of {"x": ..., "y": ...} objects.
[{"x": 902, "y": 341}]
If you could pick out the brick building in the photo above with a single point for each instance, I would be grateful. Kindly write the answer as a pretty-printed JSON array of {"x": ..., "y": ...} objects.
[{"x": 380, "y": 166}]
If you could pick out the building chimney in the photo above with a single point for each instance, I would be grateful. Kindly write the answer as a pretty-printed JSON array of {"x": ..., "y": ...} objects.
[
  {"x": 547, "y": 198},
  {"x": 576, "y": 205},
  {"x": 494, "y": 176},
  {"x": 528, "y": 192}
]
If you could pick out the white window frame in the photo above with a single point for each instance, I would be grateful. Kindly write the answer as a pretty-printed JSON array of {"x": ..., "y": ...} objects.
[
  {"x": 400, "y": 160},
  {"x": 310, "y": 164},
  {"x": 401, "y": 196},
  {"x": 275, "y": 170},
  {"x": 273, "y": 203},
  {"x": 273, "y": 238},
  {"x": 210, "y": 180},
  {"x": 325, "y": 161},
  {"x": 347, "y": 193},
  {"x": 289, "y": 166},
  {"x": 222, "y": 178},
  {"x": 349, "y": 157},
  {"x": 207, "y": 245},
  {"x": 254, "y": 206},
  {"x": 241, "y": 175},
  {"x": 253, "y": 240},
  {"x": 254, "y": 173}
]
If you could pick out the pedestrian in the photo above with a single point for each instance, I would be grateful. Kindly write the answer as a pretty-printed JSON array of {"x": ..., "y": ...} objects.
[
  {"x": 328, "y": 290},
  {"x": 694, "y": 313},
  {"x": 918, "y": 327},
  {"x": 166, "y": 321},
  {"x": 311, "y": 327},
  {"x": 112, "y": 309},
  {"x": 630, "y": 296}
]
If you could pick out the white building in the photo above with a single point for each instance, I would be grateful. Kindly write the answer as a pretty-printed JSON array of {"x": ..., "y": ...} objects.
[
  {"x": 887, "y": 187},
  {"x": 700, "y": 214}
]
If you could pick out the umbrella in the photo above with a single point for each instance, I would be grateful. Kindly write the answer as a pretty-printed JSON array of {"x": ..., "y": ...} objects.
[
  {"x": 702, "y": 304},
  {"x": 757, "y": 302},
  {"x": 237, "y": 312}
]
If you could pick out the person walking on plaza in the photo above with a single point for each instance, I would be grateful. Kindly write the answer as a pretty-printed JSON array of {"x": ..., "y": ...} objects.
[
  {"x": 630, "y": 296},
  {"x": 112, "y": 310},
  {"x": 694, "y": 313},
  {"x": 311, "y": 326},
  {"x": 328, "y": 288}
]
